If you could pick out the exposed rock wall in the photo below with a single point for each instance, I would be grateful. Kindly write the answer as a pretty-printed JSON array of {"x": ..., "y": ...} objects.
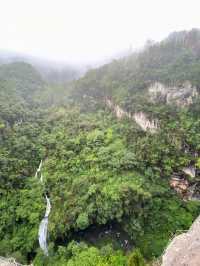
[
  {"x": 180, "y": 185},
  {"x": 187, "y": 189},
  {"x": 146, "y": 124},
  {"x": 140, "y": 117},
  {"x": 118, "y": 111},
  {"x": 180, "y": 96},
  {"x": 184, "y": 249}
]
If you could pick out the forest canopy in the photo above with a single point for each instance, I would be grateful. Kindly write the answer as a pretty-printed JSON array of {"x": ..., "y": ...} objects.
[{"x": 107, "y": 178}]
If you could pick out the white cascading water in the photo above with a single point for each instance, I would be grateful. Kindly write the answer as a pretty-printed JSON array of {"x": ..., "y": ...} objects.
[
  {"x": 43, "y": 228},
  {"x": 42, "y": 234},
  {"x": 39, "y": 169}
]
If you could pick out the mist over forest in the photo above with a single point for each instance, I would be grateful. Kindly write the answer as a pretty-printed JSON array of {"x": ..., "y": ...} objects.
[{"x": 100, "y": 159}]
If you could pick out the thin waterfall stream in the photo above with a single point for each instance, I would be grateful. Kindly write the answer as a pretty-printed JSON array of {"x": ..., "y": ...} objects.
[{"x": 43, "y": 228}]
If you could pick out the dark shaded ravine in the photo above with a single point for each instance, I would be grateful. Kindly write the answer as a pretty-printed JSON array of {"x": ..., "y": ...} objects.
[{"x": 101, "y": 235}]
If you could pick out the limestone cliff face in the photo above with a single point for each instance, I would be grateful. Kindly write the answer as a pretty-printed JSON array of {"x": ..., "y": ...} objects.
[
  {"x": 118, "y": 111},
  {"x": 146, "y": 124},
  {"x": 140, "y": 117},
  {"x": 184, "y": 249},
  {"x": 158, "y": 93},
  {"x": 180, "y": 96}
]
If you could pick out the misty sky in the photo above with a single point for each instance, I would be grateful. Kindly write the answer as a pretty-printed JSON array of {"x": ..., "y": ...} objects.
[{"x": 90, "y": 30}]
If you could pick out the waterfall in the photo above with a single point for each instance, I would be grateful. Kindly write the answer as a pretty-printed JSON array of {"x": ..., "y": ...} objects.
[
  {"x": 39, "y": 169},
  {"x": 43, "y": 228},
  {"x": 41, "y": 178},
  {"x": 42, "y": 234}
]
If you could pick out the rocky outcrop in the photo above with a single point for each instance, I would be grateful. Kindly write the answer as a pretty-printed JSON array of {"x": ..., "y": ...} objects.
[
  {"x": 10, "y": 262},
  {"x": 180, "y": 185},
  {"x": 184, "y": 249},
  {"x": 146, "y": 124},
  {"x": 140, "y": 117},
  {"x": 181, "y": 96},
  {"x": 188, "y": 189},
  {"x": 190, "y": 171},
  {"x": 118, "y": 111}
]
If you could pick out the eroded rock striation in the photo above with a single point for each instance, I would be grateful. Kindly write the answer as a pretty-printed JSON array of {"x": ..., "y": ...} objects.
[
  {"x": 139, "y": 117},
  {"x": 146, "y": 124},
  {"x": 183, "y": 95}
]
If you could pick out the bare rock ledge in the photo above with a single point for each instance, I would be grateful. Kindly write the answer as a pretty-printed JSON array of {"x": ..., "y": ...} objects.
[{"x": 184, "y": 249}]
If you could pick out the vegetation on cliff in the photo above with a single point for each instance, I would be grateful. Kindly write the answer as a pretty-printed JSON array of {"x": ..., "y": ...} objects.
[{"x": 98, "y": 170}]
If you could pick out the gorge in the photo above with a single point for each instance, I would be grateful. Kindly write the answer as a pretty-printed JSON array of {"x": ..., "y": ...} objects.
[{"x": 117, "y": 153}]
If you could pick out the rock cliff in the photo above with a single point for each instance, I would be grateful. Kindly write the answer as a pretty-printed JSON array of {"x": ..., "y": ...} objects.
[
  {"x": 140, "y": 118},
  {"x": 183, "y": 95}
]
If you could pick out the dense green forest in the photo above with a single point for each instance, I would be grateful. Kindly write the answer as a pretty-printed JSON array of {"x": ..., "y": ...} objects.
[{"x": 107, "y": 179}]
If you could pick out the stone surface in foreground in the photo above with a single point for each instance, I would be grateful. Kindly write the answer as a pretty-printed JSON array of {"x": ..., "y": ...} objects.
[
  {"x": 184, "y": 249},
  {"x": 10, "y": 262}
]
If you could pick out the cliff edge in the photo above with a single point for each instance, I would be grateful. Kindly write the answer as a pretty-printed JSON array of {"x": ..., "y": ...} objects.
[{"x": 184, "y": 249}]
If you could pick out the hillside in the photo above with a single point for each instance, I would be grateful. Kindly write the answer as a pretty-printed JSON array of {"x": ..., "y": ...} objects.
[
  {"x": 18, "y": 83},
  {"x": 116, "y": 153},
  {"x": 52, "y": 72},
  {"x": 171, "y": 62}
]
